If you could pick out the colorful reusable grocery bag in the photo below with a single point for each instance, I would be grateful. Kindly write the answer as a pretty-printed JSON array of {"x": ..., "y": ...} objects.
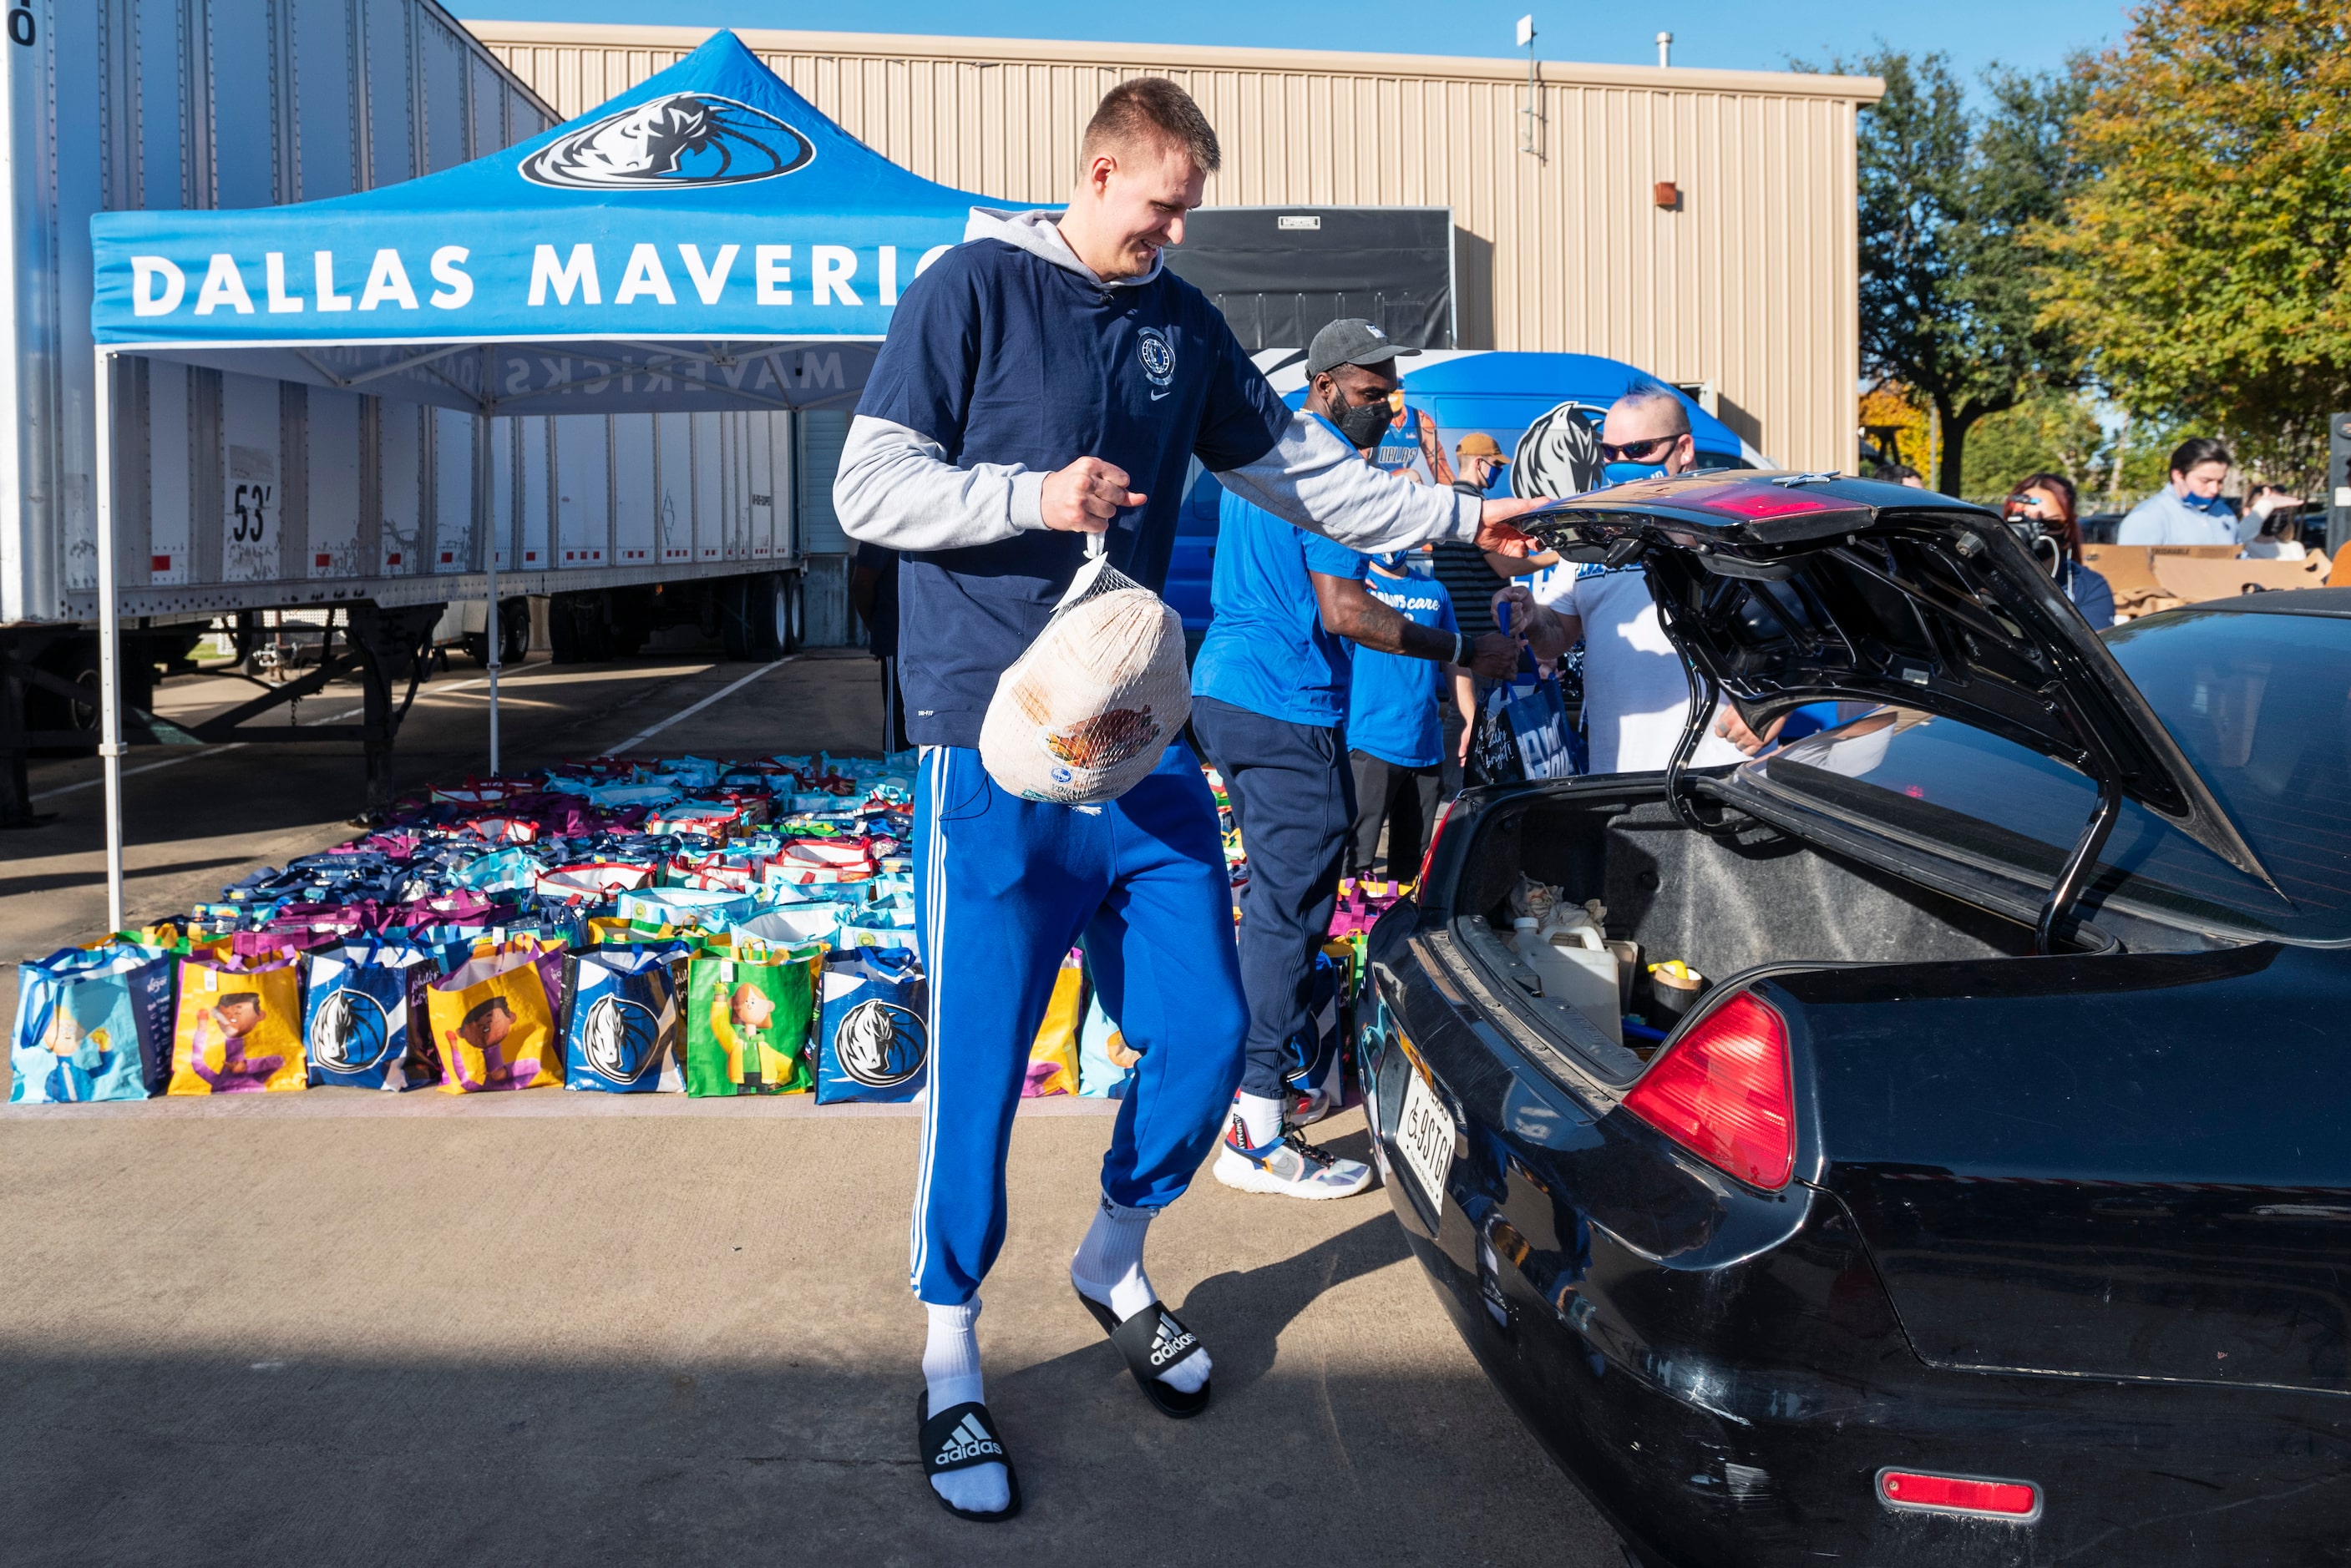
[
  {"x": 887, "y": 924},
  {"x": 710, "y": 908},
  {"x": 874, "y": 1042},
  {"x": 495, "y": 1021},
  {"x": 359, "y": 1018},
  {"x": 624, "y": 1035},
  {"x": 747, "y": 1023},
  {"x": 1362, "y": 903},
  {"x": 238, "y": 1027},
  {"x": 92, "y": 1023},
  {"x": 620, "y": 797},
  {"x": 592, "y": 880},
  {"x": 806, "y": 861},
  {"x": 1105, "y": 1061},
  {"x": 499, "y": 871},
  {"x": 793, "y": 925},
  {"x": 1053, "y": 1054},
  {"x": 611, "y": 931}
]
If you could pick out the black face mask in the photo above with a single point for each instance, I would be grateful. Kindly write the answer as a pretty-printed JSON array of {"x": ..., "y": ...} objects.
[{"x": 1363, "y": 426}]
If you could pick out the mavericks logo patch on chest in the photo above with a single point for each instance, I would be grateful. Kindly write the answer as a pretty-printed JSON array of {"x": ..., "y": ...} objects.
[{"x": 1158, "y": 358}]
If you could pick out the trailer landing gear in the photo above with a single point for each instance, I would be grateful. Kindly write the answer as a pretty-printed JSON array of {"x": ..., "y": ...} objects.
[
  {"x": 48, "y": 698},
  {"x": 392, "y": 646}
]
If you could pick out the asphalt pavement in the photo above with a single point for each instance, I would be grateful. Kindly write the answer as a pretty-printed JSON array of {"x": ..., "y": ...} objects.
[{"x": 340, "y": 1327}]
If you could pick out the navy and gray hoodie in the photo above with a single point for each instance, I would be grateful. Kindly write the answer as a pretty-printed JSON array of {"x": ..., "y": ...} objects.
[{"x": 1008, "y": 358}]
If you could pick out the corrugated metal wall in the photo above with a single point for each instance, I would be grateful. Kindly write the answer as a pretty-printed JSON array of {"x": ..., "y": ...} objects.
[
  {"x": 232, "y": 491},
  {"x": 1749, "y": 283}
]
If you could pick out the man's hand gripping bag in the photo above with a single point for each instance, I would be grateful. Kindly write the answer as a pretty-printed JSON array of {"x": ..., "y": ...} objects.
[{"x": 1084, "y": 714}]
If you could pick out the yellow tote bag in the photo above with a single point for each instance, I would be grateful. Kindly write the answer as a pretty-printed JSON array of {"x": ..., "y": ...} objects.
[
  {"x": 237, "y": 1031},
  {"x": 1053, "y": 1054},
  {"x": 493, "y": 1026}
]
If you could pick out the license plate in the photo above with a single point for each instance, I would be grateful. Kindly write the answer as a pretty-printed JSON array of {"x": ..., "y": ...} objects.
[{"x": 1424, "y": 1138}]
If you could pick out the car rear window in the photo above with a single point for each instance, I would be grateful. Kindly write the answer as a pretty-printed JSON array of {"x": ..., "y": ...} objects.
[{"x": 2261, "y": 704}]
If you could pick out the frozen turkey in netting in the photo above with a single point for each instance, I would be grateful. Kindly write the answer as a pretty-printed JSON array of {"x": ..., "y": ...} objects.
[{"x": 1085, "y": 712}]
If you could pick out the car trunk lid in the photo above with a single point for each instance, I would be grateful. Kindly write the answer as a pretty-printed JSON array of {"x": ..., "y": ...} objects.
[{"x": 1784, "y": 589}]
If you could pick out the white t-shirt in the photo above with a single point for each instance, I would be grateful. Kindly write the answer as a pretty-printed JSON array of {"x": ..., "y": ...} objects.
[{"x": 1636, "y": 696}]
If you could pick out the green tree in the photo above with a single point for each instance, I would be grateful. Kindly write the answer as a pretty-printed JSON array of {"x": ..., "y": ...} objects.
[
  {"x": 2048, "y": 431},
  {"x": 2205, "y": 265},
  {"x": 1948, "y": 199}
]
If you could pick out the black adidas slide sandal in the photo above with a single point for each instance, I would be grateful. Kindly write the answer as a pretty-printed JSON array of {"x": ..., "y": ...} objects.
[
  {"x": 956, "y": 1438},
  {"x": 1153, "y": 1341}
]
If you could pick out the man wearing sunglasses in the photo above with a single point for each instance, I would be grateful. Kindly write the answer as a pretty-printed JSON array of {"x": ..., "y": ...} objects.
[
  {"x": 1636, "y": 696},
  {"x": 1646, "y": 436}
]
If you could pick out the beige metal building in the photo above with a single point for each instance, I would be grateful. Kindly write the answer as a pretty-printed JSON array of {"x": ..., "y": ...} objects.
[
  {"x": 1746, "y": 283},
  {"x": 1739, "y": 281}
]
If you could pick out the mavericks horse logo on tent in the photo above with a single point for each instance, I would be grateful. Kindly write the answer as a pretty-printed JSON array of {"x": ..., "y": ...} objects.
[{"x": 686, "y": 139}]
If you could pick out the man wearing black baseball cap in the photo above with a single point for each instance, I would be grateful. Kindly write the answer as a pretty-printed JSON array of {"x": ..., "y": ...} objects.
[{"x": 1269, "y": 697}]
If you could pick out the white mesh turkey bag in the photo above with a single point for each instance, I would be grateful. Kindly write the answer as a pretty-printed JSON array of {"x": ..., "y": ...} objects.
[{"x": 1085, "y": 712}]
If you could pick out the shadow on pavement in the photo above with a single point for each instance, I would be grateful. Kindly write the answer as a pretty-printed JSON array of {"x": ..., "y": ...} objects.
[
  {"x": 786, "y": 1456},
  {"x": 10, "y": 887}
]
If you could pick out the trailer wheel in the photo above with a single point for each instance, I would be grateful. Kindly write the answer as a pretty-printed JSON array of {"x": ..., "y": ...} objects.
[
  {"x": 514, "y": 619},
  {"x": 478, "y": 648},
  {"x": 767, "y": 615},
  {"x": 83, "y": 713},
  {"x": 597, "y": 636},
  {"x": 734, "y": 619},
  {"x": 795, "y": 612},
  {"x": 630, "y": 614},
  {"x": 562, "y": 630}
]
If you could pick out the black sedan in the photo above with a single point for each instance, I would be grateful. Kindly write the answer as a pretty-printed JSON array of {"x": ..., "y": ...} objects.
[{"x": 1990, "y": 1203}]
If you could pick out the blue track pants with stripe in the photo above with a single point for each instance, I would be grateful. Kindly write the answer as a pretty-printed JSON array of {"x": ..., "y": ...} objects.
[{"x": 1004, "y": 889}]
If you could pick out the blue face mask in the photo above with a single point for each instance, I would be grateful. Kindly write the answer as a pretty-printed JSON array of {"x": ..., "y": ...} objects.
[
  {"x": 1626, "y": 472},
  {"x": 2214, "y": 504}
]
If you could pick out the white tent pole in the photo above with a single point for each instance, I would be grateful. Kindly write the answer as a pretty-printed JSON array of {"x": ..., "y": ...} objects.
[
  {"x": 109, "y": 630},
  {"x": 485, "y": 531}
]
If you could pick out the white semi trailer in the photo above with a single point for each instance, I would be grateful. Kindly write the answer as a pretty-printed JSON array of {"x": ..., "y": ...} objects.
[{"x": 234, "y": 495}]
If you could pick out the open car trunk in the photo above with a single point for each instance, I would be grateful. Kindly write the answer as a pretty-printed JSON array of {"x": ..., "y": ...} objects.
[{"x": 1721, "y": 905}]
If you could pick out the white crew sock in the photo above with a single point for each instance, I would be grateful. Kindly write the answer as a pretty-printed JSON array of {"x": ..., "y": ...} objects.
[
  {"x": 951, "y": 1369},
  {"x": 1109, "y": 1268},
  {"x": 1260, "y": 1119},
  {"x": 1109, "y": 1264}
]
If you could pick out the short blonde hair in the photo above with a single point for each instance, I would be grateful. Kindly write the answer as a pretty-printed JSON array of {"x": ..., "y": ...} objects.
[{"x": 1155, "y": 109}]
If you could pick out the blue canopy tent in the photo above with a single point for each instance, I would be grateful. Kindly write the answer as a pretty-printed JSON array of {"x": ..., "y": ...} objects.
[{"x": 706, "y": 241}]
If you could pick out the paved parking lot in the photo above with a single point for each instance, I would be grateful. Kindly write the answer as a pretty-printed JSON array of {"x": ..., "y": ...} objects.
[{"x": 338, "y": 1327}]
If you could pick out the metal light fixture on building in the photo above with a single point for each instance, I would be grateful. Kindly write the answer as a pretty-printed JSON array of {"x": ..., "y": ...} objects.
[{"x": 1530, "y": 116}]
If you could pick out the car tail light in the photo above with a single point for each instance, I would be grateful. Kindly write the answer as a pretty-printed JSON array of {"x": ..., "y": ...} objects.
[
  {"x": 1428, "y": 856},
  {"x": 1973, "y": 1496},
  {"x": 1721, "y": 1091}
]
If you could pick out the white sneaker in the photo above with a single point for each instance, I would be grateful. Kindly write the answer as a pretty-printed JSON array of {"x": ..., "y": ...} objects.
[{"x": 1292, "y": 1167}]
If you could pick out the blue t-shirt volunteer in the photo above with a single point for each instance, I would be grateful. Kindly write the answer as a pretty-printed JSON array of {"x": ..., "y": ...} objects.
[
  {"x": 1267, "y": 650},
  {"x": 1001, "y": 356},
  {"x": 1392, "y": 705}
]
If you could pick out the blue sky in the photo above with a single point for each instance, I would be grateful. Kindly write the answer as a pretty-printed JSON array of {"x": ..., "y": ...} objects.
[{"x": 1755, "y": 34}]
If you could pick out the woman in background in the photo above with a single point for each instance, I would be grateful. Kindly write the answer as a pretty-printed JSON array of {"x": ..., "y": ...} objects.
[{"x": 2046, "y": 501}]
